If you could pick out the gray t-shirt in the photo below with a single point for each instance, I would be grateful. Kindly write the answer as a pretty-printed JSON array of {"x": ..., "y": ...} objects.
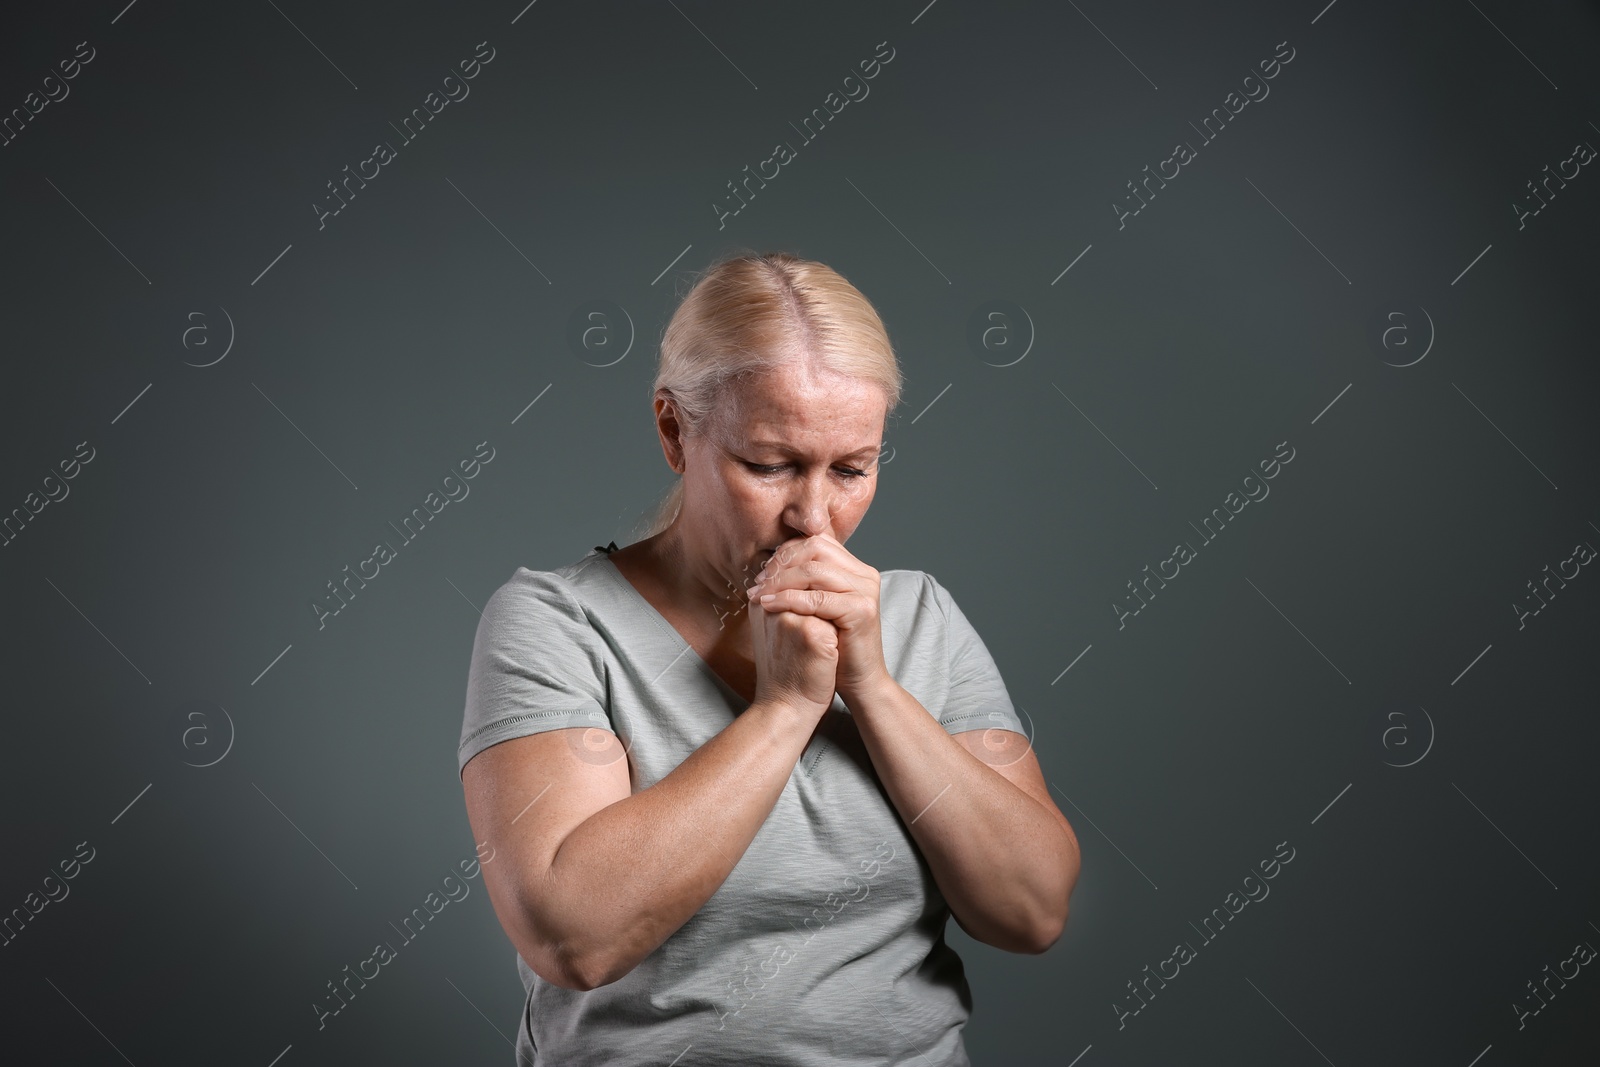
[{"x": 825, "y": 945}]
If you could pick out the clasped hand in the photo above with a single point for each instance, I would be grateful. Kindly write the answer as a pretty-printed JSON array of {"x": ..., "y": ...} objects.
[{"x": 818, "y": 576}]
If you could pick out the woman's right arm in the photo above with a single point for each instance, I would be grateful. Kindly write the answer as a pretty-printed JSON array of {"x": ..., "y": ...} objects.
[{"x": 590, "y": 879}]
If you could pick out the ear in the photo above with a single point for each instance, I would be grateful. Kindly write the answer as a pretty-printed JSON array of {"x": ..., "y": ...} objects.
[{"x": 670, "y": 429}]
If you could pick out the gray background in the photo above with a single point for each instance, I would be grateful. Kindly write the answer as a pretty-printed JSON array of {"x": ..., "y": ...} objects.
[{"x": 1359, "y": 617}]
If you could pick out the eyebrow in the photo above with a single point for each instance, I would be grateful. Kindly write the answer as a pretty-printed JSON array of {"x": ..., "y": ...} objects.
[{"x": 865, "y": 450}]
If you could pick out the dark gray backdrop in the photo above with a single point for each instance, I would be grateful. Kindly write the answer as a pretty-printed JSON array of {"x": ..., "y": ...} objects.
[{"x": 1341, "y": 268}]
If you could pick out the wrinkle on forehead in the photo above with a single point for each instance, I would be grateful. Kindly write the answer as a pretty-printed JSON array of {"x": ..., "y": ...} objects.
[{"x": 798, "y": 402}]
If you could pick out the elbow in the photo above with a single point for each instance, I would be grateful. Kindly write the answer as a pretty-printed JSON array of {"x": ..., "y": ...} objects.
[
  {"x": 1049, "y": 923},
  {"x": 571, "y": 970},
  {"x": 573, "y": 967},
  {"x": 1045, "y": 935},
  {"x": 570, "y": 955},
  {"x": 1047, "y": 928},
  {"x": 593, "y": 973}
]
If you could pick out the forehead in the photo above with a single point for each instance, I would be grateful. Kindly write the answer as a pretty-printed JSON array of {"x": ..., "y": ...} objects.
[{"x": 801, "y": 406}]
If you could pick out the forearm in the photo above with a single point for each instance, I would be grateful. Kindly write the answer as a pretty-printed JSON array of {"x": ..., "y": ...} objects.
[
  {"x": 1002, "y": 860},
  {"x": 631, "y": 874}
]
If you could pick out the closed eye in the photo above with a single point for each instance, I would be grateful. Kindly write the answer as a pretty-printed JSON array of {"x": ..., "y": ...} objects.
[{"x": 771, "y": 468}]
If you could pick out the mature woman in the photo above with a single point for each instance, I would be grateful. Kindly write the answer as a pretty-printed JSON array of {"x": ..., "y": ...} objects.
[{"x": 731, "y": 819}]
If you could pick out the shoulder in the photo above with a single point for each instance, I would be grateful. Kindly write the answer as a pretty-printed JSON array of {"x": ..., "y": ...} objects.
[
  {"x": 529, "y": 590},
  {"x": 911, "y": 591},
  {"x": 913, "y": 606},
  {"x": 538, "y": 597}
]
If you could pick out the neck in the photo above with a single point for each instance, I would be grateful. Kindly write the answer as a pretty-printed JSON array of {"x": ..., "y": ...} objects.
[{"x": 693, "y": 583}]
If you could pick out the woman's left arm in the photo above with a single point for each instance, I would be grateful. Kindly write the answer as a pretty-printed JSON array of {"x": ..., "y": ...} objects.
[{"x": 1004, "y": 856}]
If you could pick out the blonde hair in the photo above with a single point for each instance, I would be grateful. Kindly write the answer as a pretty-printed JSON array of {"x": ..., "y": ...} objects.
[{"x": 750, "y": 313}]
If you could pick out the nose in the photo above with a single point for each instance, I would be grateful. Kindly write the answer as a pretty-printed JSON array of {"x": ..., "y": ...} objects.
[{"x": 810, "y": 509}]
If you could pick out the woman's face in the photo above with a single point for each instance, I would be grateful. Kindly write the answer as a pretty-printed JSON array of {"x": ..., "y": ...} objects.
[{"x": 793, "y": 454}]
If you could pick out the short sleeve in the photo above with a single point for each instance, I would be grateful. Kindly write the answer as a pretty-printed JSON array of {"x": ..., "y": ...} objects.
[
  {"x": 536, "y": 666},
  {"x": 977, "y": 699}
]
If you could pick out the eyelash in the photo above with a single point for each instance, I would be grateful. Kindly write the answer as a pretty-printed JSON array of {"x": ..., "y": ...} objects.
[{"x": 767, "y": 468}]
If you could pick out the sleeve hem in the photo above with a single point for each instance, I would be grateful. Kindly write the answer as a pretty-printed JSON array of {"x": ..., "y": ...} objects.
[{"x": 533, "y": 722}]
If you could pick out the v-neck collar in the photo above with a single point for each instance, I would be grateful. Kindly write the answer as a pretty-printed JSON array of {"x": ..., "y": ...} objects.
[{"x": 631, "y": 591}]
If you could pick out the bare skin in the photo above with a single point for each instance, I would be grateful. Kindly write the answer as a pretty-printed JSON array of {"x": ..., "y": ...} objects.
[{"x": 599, "y": 875}]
